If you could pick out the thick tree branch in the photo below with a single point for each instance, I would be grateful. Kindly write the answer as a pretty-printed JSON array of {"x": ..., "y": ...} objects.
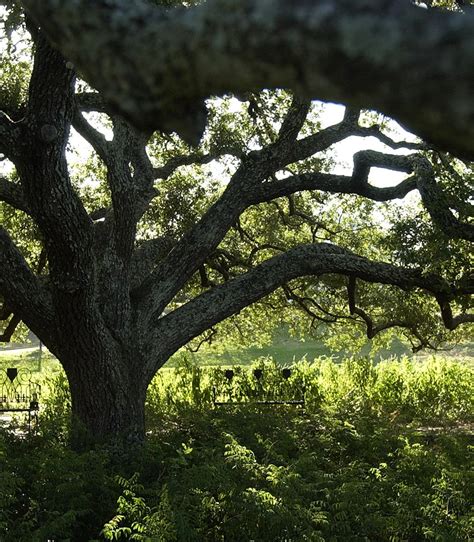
[
  {"x": 192, "y": 250},
  {"x": 335, "y": 184},
  {"x": 213, "y": 306},
  {"x": 130, "y": 177},
  {"x": 21, "y": 289},
  {"x": 311, "y": 145},
  {"x": 43, "y": 171},
  {"x": 451, "y": 321},
  {"x": 147, "y": 256},
  {"x": 6, "y": 311},
  {"x": 140, "y": 57},
  {"x": 89, "y": 102}
]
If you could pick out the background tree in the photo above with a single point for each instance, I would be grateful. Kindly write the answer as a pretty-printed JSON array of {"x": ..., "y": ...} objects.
[{"x": 117, "y": 263}]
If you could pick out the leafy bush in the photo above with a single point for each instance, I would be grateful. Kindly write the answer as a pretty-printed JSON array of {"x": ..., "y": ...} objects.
[
  {"x": 433, "y": 391},
  {"x": 358, "y": 463}
]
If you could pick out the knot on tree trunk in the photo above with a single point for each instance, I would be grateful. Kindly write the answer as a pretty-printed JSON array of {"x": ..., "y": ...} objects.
[{"x": 48, "y": 133}]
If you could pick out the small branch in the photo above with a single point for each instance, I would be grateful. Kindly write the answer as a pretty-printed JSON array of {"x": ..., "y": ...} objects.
[
  {"x": 450, "y": 321},
  {"x": 207, "y": 339},
  {"x": 302, "y": 302},
  {"x": 163, "y": 172},
  {"x": 294, "y": 120},
  {"x": 372, "y": 329},
  {"x": 10, "y": 329},
  {"x": 9, "y": 136},
  {"x": 205, "y": 282},
  {"x": 375, "y": 131},
  {"x": 97, "y": 140},
  {"x": 12, "y": 194}
]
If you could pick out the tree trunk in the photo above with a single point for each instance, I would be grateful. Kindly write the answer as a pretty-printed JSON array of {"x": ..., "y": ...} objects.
[{"x": 108, "y": 403}]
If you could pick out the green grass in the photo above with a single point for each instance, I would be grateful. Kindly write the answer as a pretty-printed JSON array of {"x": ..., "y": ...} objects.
[
  {"x": 30, "y": 359},
  {"x": 283, "y": 350}
]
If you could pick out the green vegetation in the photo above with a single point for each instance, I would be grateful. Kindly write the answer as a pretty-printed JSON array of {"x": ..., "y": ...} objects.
[
  {"x": 380, "y": 452},
  {"x": 283, "y": 348}
]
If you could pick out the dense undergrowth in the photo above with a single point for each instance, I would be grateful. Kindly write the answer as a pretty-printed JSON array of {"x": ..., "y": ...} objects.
[{"x": 379, "y": 453}]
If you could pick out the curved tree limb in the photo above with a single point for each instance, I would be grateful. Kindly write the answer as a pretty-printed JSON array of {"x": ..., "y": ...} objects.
[
  {"x": 436, "y": 203},
  {"x": 450, "y": 321},
  {"x": 213, "y": 306},
  {"x": 157, "y": 65},
  {"x": 335, "y": 184}
]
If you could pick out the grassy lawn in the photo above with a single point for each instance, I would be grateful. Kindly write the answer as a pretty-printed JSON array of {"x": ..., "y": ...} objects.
[{"x": 284, "y": 351}]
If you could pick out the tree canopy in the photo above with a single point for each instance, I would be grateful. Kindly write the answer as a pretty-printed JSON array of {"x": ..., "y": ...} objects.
[{"x": 212, "y": 198}]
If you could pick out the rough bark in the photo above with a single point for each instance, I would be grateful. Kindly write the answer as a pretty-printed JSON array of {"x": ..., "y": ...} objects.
[
  {"x": 108, "y": 398},
  {"x": 156, "y": 66}
]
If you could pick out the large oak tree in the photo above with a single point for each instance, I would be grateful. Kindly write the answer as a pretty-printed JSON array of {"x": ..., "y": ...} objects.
[{"x": 120, "y": 278}]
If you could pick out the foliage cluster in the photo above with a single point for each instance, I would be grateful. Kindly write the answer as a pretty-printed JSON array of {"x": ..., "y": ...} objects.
[
  {"x": 436, "y": 390},
  {"x": 374, "y": 456}
]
